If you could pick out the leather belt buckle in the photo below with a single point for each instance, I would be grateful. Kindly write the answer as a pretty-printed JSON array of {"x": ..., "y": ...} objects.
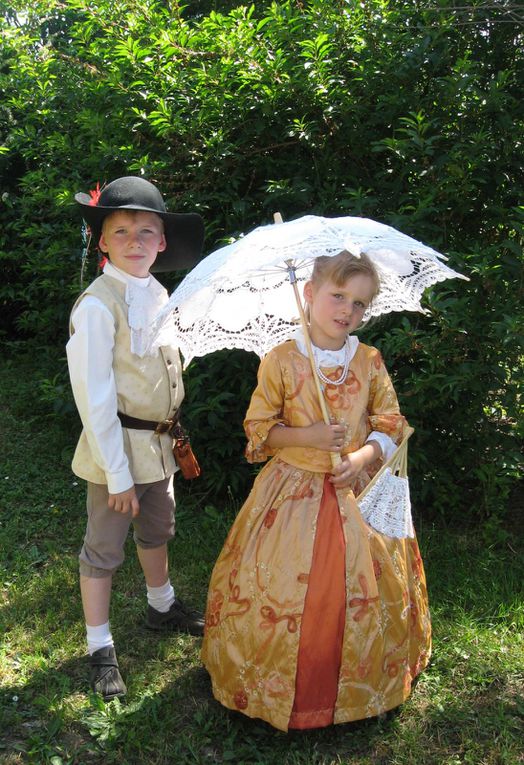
[{"x": 164, "y": 427}]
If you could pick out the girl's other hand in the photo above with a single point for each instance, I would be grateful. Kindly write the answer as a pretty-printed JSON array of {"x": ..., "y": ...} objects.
[
  {"x": 352, "y": 464},
  {"x": 345, "y": 473}
]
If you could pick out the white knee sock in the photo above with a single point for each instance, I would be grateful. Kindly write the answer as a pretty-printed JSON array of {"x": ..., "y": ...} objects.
[
  {"x": 98, "y": 637},
  {"x": 161, "y": 598}
]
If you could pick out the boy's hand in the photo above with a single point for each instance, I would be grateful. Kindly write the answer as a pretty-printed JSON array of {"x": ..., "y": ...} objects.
[
  {"x": 124, "y": 502},
  {"x": 328, "y": 438}
]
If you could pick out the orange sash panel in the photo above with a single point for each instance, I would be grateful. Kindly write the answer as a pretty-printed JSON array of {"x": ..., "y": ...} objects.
[{"x": 322, "y": 627}]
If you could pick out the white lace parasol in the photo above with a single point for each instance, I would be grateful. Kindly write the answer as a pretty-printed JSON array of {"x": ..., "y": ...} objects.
[{"x": 240, "y": 295}]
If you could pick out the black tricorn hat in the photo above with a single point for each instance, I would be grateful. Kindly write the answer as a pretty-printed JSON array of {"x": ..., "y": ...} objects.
[{"x": 184, "y": 232}]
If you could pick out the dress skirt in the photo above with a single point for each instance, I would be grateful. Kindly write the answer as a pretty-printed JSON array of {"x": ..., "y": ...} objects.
[{"x": 313, "y": 617}]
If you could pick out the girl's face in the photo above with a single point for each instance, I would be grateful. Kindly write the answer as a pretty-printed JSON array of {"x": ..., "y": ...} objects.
[{"x": 336, "y": 311}]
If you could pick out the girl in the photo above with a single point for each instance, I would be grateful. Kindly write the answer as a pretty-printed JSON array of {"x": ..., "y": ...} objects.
[{"x": 313, "y": 617}]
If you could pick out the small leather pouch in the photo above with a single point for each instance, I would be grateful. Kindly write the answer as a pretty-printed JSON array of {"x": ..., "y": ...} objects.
[{"x": 185, "y": 458}]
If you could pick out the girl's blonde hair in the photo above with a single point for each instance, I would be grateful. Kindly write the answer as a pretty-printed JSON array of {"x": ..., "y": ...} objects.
[{"x": 339, "y": 268}]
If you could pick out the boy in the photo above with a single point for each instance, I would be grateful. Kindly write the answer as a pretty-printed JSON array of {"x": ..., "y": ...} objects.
[{"x": 125, "y": 389}]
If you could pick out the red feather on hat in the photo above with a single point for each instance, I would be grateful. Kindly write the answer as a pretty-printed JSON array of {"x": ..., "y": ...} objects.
[{"x": 95, "y": 195}]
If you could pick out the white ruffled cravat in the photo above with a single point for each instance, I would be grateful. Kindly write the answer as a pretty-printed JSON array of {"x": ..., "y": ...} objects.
[{"x": 144, "y": 297}]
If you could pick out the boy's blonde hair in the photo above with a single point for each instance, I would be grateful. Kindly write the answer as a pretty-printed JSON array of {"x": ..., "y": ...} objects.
[{"x": 339, "y": 268}]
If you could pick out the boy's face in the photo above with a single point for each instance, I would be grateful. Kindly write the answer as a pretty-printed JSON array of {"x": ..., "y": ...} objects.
[{"x": 132, "y": 240}]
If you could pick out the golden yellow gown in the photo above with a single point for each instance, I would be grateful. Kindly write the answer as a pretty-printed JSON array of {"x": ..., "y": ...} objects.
[{"x": 259, "y": 583}]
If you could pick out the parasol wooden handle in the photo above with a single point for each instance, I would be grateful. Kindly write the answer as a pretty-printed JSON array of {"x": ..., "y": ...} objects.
[{"x": 335, "y": 456}]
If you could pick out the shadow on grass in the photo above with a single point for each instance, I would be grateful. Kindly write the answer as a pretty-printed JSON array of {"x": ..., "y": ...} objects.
[
  {"x": 464, "y": 706},
  {"x": 178, "y": 722}
]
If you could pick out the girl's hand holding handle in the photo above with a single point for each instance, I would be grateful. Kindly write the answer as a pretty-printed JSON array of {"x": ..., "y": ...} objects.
[{"x": 328, "y": 438}]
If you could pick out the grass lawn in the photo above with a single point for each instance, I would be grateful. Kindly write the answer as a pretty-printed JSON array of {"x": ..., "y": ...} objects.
[{"x": 467, "y": 707}]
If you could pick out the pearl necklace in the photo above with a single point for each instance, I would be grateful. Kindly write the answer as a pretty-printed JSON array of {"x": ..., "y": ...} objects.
[{"x": 345, "y": 368}]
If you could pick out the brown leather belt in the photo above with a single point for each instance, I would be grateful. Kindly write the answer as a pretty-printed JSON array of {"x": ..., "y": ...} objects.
[{"x": 165, "y": 426}]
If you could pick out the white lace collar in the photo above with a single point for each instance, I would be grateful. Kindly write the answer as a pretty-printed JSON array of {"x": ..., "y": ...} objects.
[
  {"x": 144, "y": 297},
  {"x": 325, "y": 357}
]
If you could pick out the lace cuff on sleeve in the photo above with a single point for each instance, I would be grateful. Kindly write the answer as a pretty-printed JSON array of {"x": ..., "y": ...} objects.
[
  {"x": 385, "y": 442},
  {"x": 257, "y": 431},
  {"x": 265, "y": 409},
  {"x": 391, "y": 424}
]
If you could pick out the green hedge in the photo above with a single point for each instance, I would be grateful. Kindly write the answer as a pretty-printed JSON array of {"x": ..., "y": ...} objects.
[{"x": 409, "y": 113}]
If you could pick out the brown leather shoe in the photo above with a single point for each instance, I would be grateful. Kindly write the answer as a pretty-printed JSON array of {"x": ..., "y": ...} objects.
[
  {"x": 105, "y": 676},
  {"x": 179, "y": 618}
]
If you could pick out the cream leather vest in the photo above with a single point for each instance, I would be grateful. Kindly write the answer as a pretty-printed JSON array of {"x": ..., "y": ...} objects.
[{"x": 149, "y": 388}]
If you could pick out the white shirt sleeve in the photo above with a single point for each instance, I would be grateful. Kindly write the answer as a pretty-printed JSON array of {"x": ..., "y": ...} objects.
[
  {"x": 90, "y": 360},
  {"x": 386, "y": 443}
]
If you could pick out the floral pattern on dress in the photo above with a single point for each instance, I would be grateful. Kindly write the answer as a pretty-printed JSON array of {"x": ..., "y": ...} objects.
[{"x": 260, "y": 580}]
